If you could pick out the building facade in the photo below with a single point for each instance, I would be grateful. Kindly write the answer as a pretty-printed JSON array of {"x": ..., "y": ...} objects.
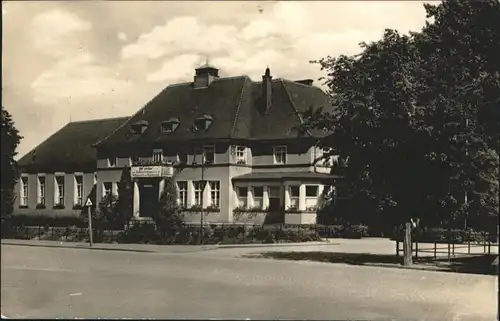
[{"x": 231, "y": 145}]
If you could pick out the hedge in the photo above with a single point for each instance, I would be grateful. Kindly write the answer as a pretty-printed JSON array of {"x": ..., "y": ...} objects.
[
  {"x": 42, "y": 220},
  {"x": 147, "y": 233},
  {"x": 443, "y": 235}
]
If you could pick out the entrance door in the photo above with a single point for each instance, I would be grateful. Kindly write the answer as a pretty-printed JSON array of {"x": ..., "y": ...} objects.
[
  {"x": 276, "y": 213},
  {"x": 148, "y": 191}
]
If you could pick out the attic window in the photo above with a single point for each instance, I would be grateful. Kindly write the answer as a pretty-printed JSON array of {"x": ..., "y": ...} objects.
[
  {"x": 203, "y": 122},
  {"x": 139, "y": 127},
  {"x": 170, "y": 125}
]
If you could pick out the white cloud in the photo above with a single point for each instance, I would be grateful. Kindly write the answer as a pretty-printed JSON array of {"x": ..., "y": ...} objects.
[
  {"x": 51, "y": 32},
  {"x": 122, "y": 36},
  {"x": 179, "y": 67},
  {"x": 73, "y": 78},
  {"x": 286, "y": 34}
]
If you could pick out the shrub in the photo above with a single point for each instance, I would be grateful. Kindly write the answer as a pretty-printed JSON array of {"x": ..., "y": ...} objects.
[
  {"x": 59, "y": 207},
  {"x": 41, "y": 206},
  {"x": 43, "y": 220},
  {"x": 139, "y": 233},
  {"x": 443, "y": 235}
]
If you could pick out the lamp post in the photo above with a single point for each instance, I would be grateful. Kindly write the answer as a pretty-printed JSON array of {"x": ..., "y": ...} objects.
[{"x": 203, "y": 183}]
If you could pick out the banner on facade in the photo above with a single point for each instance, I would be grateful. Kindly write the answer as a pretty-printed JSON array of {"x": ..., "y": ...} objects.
[{"x": 146, "y": 171}]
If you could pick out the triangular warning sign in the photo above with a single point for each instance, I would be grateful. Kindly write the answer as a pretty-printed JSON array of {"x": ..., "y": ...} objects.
[{"x": 89, "y": 202}]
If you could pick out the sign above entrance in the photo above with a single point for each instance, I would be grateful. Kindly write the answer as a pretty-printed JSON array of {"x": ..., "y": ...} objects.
[{"x": 151, "y": 171}]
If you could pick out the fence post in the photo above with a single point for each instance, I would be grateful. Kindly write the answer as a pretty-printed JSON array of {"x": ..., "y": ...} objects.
[
  {"x": 489, "y": 246},
  {"x": 449, "y": 250},
  {"x": 39, "y": 233},
  {"x": 435, "y": 248},
  {"x": 484, "y": 242},
  {"x": 53, "y": 234},
  {"x": 468, "y": 246},
  {"x": 397, "y": 248},
  {"x": 416, "y": 249},
  {"x": 407, "y": 245},
  {"x": 453, "y": 249}
]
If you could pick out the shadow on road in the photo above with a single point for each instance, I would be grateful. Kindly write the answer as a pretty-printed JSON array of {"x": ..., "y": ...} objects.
[{"x": 478, "y": 264}]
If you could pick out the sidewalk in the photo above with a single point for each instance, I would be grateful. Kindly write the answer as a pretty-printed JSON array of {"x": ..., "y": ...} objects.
[{"x": 152, "y": 248}]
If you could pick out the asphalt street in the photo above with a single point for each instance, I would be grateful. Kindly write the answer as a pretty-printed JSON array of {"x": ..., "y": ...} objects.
[{"x": 201, "y": 282}]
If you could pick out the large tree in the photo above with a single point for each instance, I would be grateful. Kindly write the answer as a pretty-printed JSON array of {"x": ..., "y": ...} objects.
[
  {"x": 413, "y": 123},
  {"x": 10, "y": 170}
]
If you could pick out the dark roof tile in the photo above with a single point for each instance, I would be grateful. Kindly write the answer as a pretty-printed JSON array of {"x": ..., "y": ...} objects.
[
  {"x": 234, "y": 103},
  {"x": 70, "y": 148}
]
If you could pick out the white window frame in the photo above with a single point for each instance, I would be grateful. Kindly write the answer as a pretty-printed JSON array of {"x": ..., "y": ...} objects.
[
  {"x": 240, "y": 154},
  {"x": 157, "y": 155},
  {"x": 60, "y": 189},
  {"x": 242, "y": 199},
  {"x": 258, "y": 199},
  {"x": 24, "y": 191},
  {"x": 41, "y": 190},
  {"x": 294, "y": 199},
  {"x": 215, "y": 193},
  {"x": 79, "y": 189},
  {"x": 105, "y": 189},
  {"x": 182, "y": 199},
  {"x": 315, "y": 198},
  {"x": 205, "y": 152},
  {"x": 112, "y": 161},
  {"x": 169, "y": 127},
  {"x": 279, "y": 155},
  {"x": 197, "y": 189}
]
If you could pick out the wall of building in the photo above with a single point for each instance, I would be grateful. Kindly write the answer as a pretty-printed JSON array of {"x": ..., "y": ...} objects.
[{"x": 50, "y": 194}]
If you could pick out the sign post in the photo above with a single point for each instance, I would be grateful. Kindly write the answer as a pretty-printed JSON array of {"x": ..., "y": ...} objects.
[{"x": 89, "y": 205}]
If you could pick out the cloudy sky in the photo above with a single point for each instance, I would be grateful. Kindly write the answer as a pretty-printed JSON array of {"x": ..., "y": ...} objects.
[{"x": 76, "y": 60}]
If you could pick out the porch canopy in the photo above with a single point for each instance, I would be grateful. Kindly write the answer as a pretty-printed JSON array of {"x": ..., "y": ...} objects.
[{"x": 283, "y": 176}]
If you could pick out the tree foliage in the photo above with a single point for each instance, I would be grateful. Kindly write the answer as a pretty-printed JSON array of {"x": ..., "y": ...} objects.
[
  {"x": 106, "y": 216},
  {"x": 415, "y": 120},
  {"x": 125, "y": 196},
  {"x": 10, "y": 170},
  {"x": 169, "y": 217}
]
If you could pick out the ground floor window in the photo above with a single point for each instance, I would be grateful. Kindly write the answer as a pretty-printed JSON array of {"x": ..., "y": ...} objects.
[
  {"x": 182, "y": 188},
  {"x": 198, "y": 186},
  {"x": 294, "y": 196},
  {"x": 60, "y": 190},
  {"x": 258, "y": 196},
  {"x": 24, "y": 191},
  {"x": 242, "y": 196},
  {"x": 215, "y": 194},
  {"x": 312, "y": 195}
]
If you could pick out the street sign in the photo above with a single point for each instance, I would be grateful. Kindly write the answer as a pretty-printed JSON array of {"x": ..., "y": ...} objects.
[{"x": 88, "y": 202}]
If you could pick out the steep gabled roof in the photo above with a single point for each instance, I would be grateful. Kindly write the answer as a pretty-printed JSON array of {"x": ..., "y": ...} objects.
[
  {"x": 71, "y": 147},
  {"x": 234, "y": 103}
]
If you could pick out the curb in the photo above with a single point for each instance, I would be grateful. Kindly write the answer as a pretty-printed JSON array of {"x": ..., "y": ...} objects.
[
  {"x": 117, "y": 248},
  {"x": 257, "y": 245},
  {"x": 78, "y": 246}
]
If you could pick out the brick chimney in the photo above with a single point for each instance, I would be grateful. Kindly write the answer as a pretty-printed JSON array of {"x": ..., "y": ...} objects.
[{"x": 267, "y": 91}]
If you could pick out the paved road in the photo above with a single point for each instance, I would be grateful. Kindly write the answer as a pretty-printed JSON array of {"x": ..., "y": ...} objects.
[{"x": 202, "y": 283}]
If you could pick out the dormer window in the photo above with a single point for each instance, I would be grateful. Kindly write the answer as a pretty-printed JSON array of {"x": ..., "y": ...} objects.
[
  {"x": 170, "y": 125},
  {"x": 202, "y": 123},
  {"x": 139, "y": 127}
]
